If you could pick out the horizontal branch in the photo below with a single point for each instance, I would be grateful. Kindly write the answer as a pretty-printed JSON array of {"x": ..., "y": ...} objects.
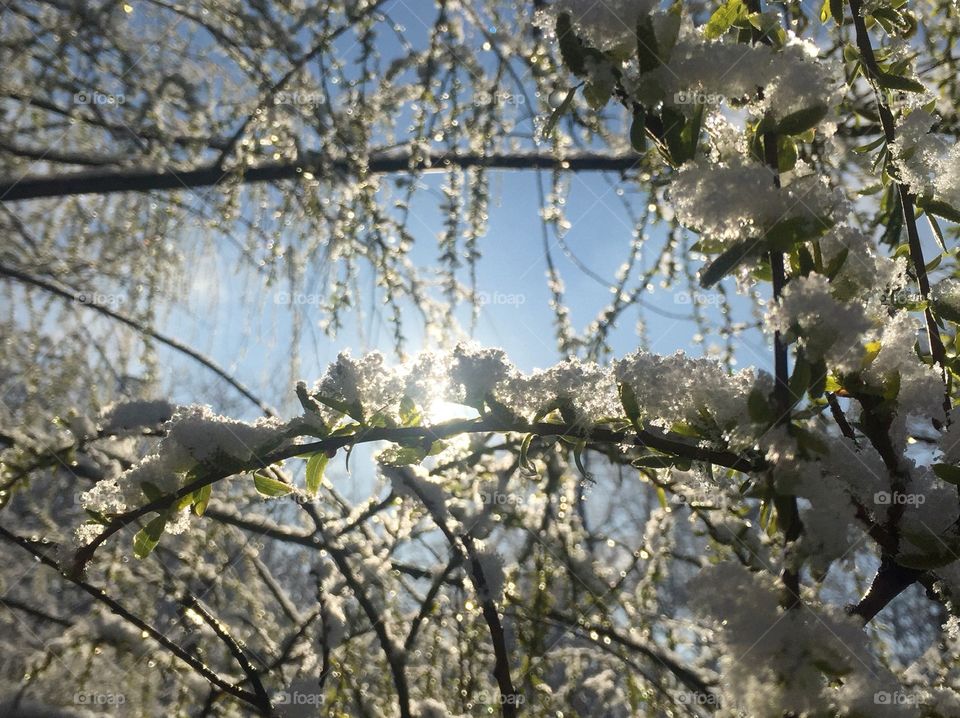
[
  {"x": 147, "y": 180},
  {"x": 658, "y": 441}
]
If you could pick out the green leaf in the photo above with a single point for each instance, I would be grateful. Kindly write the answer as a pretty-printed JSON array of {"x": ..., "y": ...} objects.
[
  {"x": 937, "y": 232},
  {"x": 788, "y": 232},
  {"x": 409, "y": 413},
  {"x": 724, "y": 18},
  {"x": 638, "y": 133},
  {"x": 270, "y": 487},
  {"x": 653, "y": 461},
  {"x": 662, "y": 497},
  {"x": 571, "y": 47},
  {"x": 759, "y": 407},
  {"x": 948, "y": 473},
  {"x": 786, "y": 154},
  {"x": 351, "y": 409},
  {"x": 836, "y": 264},
  {"x": 147, "y": 538},
  {"x": 690, "y": 135},
  {"x": 800, "y": 379},
  {"x": 201, "y": 497},
  {"x": 597, "y": 93},
  {"x": 890, "y": 81},
  {"x": 802, "y": 120},
  {"x": 315, "y": 466},
  {"x": 402, "y": 455},
  {"x": 942, "y": 209},
  {"x": 836, "y": 11},
  {"x": 578, "y": 459},
  {"x": 559, "y": 112},
  {"x": 729, "y": 261},
  {"x": 525, "y": 463},
  {"x": 151, "y": 491},
  {"x": 818, "y": 380},
  {"x": 630, "y": 406},
  {"x": 648, "y": 54}
]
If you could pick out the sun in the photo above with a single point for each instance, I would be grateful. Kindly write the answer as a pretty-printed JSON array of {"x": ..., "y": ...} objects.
[{"x": 441, "y": 411}]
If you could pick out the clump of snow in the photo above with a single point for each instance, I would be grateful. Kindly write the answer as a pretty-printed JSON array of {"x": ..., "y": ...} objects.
[
  {"x": 775, "y": 82},
  {"x": 194, "y": 435},
  {"x": 677, "y": 388},
  {"x": 776, "y": 660},
  {"x": 367, "y": 381},
  {"x": 132, "y": 415},
  {"x": 928, "y": 162},
  {"x": 834, "y": 330},
  {"x": 607, "y": 25},
  {"x": 728, "y": 202},
  {"x": 478, "y": 372},
  {"x": 590, "y": 390}
]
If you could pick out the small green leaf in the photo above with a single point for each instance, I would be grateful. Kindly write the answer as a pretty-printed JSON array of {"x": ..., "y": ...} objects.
[
  {"x": 201, "y": 497},
  {"x": 942, "y": 209},
  {"x": 578, "y": 459},
  {"x": 270, "y": 487},
  {"x": 630, "y": 406},
  {"x": 648, "y": 53},
  {"x": 662, "y": 497},
  {"x": 948, "y": 473},
  {"x": 802, "y": 120},
  {"x": 890, "y": 81},
  {"x": 836, "y": 264},
  {"x": 724, "y": 18},
  {"x": 653, "y": 461},
  {"x": 729, "y": 261},
  {"x": 836, "y": 11},
  {"x": 571, "y": 47},
  {"x": 351, "y": 409},
  {"x": 409, "y": 413},
  {"x": 788, "y": 232},
  {"x": 402, "y": 455},
  {"x": 315, "y": 466},
  {"x": 151, "y": 491},
  {"x": 800, "y": 379},
  {"x": 638, "y": 130},
  {"x": 559, "y": 112},
  {"x": 818, "y": 378},
  {"x": 786, "y": 154},
  {"x": 759, "y": 407},
  {"x": 147, "y": 538},
  {"x": 525, "y": 463}
]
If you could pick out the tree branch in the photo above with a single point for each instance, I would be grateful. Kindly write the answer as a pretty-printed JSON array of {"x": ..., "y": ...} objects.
[{"x": 104, "y": 182}]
